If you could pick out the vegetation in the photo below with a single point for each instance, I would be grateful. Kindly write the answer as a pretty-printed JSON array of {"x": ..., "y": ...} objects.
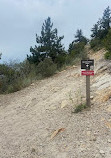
[
  {"x": 49, "y": 55},
  {"x": 48, "y": 44},
  {"x": 76, "y": 48},
  {"x": 100, "y": 30},
  {"x": 16, "y": 77},
  {"x": 80, "y": 107},
  {"x": 107, "y": 44},
  {"x": 46, "y": 68}
]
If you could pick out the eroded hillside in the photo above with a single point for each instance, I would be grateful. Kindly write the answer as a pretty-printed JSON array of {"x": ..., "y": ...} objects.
[{"x": 28, "y": 118}]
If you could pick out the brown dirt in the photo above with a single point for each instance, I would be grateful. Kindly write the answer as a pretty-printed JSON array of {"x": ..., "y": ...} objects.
[{"x": 28, "y": 118}]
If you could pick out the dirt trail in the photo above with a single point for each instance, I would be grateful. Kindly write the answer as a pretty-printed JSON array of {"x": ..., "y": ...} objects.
[{"x": 29, "y": 117}]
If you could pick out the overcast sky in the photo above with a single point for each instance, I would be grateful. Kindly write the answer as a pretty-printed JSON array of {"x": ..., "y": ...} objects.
[{"x": 20, "y": 20}]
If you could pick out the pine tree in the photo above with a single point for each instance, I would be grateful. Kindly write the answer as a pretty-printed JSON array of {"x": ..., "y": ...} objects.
[
  {"x": 76, "y": 48},
  {"x": 0, "y": 55},
  {"x": 107, "y": 44},
  {"x": 48, "y": 44},
  {"x": 100, "y": 30},
  {"x": 106, "y": 19},
  {"x": 79, "y": 37},
  {"x": 71, "y": 45},
  {"x": 95, "y": 31}
]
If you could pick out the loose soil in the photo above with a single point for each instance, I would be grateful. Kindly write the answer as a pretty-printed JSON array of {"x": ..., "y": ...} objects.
[{"x": 28, "y": 118}]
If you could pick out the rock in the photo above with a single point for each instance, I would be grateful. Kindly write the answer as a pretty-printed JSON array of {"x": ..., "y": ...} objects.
[
  {"x": 102, "y": 152},
  {"x": 109, "y": 109},
  {"x": 32, "y": 84},
  {"x": 33, "y": 150},
  {"x": 109, "y": 140},
  {"x": 74, "y": 66},
  {"x": 91, "y": 97},
  {"x": 88, "y": 133},
  {"x": 82, "y": 149},
  {"x": 81, "y": 141},
  {"x": 64, "y": 103},
  {"x": 93, "y": 138}
]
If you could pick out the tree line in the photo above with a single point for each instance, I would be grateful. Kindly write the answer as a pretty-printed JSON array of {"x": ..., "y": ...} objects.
[
  {"x": 49, "y": 43},
  {"x": 49, "y": 55},
  {"x": 101, "y": 33}
]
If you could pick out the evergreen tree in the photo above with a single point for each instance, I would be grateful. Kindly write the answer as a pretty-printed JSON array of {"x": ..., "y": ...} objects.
[
  {"x": 95, "y": 31},
  {"x": 79, "y": 37},
  {"x": 71, "y": 45},
  {"x": 102, "y": 27},
  {"x": 107, "y": 44},
  {"x": 48, "y": 44},
  {"x": 0, "y": 55},
  {"x": 79, "y": 40},
  {"x": 106, "y": 19},
  {"x": 76, "y": 48}
]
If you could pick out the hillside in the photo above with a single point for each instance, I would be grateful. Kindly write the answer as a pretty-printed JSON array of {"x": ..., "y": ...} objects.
[{"x": 29, "y": 117}]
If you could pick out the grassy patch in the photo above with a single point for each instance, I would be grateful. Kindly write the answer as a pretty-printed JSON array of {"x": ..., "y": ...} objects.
[{"x": 80, "y": 108}]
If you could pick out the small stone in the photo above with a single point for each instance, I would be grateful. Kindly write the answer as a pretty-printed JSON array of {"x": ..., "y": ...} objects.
[
  {"x": 64, "y": 103},
  {"x": 82, "y": 149},
  {"x": 94, "y": 139},
  {"x": 33, "y": 150},
  {"x": 32, "y": 84},
  {"x": 91, "y": 97},
  {"x": 95, "y": 134},
  {"x": 88, "y": 133},
  {"x": 109, "y": 140},
  {"x": 102, "y": 152}
]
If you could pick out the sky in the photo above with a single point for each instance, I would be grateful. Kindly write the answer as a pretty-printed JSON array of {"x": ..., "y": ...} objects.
[{"x": 20, "y": 20}]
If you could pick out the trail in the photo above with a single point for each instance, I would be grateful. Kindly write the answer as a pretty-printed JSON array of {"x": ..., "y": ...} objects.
[{"x": 29, "y": 117}]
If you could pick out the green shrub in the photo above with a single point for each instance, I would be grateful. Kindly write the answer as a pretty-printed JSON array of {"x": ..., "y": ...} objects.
[
  {"x": 78, "y": 51},
  {"x": 16, "y": 86},
  {"x": 107, "y": 44},
  {"x": 60, "y": 60},
  {"x": 26, "y": 69},
  {"x": 96, "y": 44},
  {"x": 46, "y": 68},
  {"x": 69, "y": 59},
  {"x": 14, "y": 77},
  {"x": 107, "y": 55},
  {"x": 80, "y": 107}
]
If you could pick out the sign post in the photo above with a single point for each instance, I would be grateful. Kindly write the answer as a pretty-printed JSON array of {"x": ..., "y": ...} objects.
[
  {"x": 88, "y": 91},
  {"x": 88, "y": 65}
]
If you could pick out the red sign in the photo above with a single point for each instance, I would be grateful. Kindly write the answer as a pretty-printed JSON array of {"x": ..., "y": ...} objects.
[{"x": 87, "y": 73}]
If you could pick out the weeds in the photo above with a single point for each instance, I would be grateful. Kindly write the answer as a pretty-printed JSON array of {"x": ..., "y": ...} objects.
[{"x": 80, "y": 108}]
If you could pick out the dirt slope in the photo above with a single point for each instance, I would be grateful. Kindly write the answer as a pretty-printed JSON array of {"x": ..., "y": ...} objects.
[{"x": 29, "y": 117}]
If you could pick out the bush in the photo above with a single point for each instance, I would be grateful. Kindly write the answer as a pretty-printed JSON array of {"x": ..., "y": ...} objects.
[
  {"x": 46, "y": 68},
  {"x": 80, "y": 107},
  {"x": 69, "y": 59},
  {"x": 78, "y": 51},
  {"x": 60, "y": 60},
  {"x": 96, "y": 44},
  {"x": 107, "y": 44},
  {"x": 107, "y": 55},
  {"x": 14, "y": 77}
]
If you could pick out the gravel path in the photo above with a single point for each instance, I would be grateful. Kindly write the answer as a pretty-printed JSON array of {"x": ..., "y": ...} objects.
[{"x": 29, "y": 117}]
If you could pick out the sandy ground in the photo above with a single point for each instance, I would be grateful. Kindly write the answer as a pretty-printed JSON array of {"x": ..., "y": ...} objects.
[{"x": 29, "y": 117}]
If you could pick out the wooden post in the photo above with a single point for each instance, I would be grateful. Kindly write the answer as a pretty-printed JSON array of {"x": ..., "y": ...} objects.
[{"x": 88, "y": 91}]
